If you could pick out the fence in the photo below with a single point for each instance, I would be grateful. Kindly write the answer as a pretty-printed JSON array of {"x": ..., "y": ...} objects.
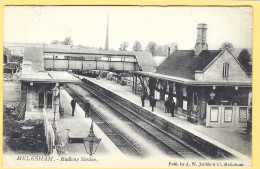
[
  {"x": 49, "y": 134},
  {"x": 21, "y": 111}
]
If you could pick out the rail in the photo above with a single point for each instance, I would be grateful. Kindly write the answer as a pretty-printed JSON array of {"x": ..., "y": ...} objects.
[
  {"x": 204, "y": 146},
  {"x": 174, "y": 144},
  {"x": 183, "y": 149},
  {"x": 112, "y": 131}
]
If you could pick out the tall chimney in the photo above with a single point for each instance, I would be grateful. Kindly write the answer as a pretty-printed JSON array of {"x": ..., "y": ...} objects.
[
  {"x": 201, "y": 42},
  {"x": 107, "y": 36}
]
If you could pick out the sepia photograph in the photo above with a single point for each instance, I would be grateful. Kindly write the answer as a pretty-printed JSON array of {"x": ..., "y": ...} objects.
[{"x": 127, "y": 86}]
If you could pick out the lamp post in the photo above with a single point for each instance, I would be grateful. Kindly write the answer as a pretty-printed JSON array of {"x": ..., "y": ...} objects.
[
  {"x": 55, "y": 91},
  {"x": 91, "y": 142}
]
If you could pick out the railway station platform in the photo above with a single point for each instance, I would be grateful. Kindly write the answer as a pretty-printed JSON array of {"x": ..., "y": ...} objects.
[
  {"x": 234, "y": 140},
  {"x": 79, "y": 125}
]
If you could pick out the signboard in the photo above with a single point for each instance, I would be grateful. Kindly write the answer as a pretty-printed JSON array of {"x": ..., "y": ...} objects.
[
  {"x": 166, "y": 97},
  {"x": 174, "y": 89},
  {"x": 175, "y": 99},
  {"x": 214, "y": 114},
  {"x": 225, "y": 102},
  {"x": 228, "y": 114},
  {"x": 242, "y": 114},
  {"x": 185, "y": 103}
]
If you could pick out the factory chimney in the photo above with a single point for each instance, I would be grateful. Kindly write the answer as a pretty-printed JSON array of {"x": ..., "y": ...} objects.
[
  {"x": 201, "y": 42},
  {"x": 107, "y": 36}
]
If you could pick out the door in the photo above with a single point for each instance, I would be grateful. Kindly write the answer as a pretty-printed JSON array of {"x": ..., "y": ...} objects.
[{"x": 49, "y": 100}]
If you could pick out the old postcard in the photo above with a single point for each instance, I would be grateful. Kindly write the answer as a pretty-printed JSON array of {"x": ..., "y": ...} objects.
[{"x": 127, "y": 86}]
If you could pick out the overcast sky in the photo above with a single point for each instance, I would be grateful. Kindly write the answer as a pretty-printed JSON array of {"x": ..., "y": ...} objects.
[{"x": 87, "y": 25}]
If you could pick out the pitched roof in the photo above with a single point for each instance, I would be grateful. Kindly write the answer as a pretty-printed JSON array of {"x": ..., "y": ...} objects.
[
  {"x": 183, "y": 63},
  {"x": 49, "y": 77}
]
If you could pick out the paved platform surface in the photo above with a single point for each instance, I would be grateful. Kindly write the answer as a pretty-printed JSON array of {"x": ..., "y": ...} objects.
[
  {"x": 232, "y": 139},
  {"x": 80, "y": 124}
]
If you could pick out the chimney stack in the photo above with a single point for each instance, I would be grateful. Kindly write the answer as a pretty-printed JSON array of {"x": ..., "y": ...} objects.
[
  {"x": 107, "y": 35},
  {"x": 201, "y": 42}
]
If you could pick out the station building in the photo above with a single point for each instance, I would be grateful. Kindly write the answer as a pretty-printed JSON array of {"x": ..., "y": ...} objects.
[
  {"x": 209, "y": 87},
  {"x": 38, "y": 86}
]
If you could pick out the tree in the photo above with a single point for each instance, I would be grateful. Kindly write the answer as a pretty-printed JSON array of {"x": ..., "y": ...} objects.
[
  {"x": 67, "y": 41},
  {"x": 123, "y": 46},
  {"x": 137, "y": 46},
  {"x": 228, "y": 46},
  {"x": 159, "y": 51},
  {"x": 173, "y": 47},
  {"x": 151, "y": 47},
  {"x": 55, "y": 42},
  {"x": 244, "y": 56},
  {"x": 165, "y": 50},
  {"x": 244, "y": 59}
]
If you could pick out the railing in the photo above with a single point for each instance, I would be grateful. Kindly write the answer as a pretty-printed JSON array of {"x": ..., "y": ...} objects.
[
  {"x": 21, "y": 111},
  {"x": 49, "y": 134}
]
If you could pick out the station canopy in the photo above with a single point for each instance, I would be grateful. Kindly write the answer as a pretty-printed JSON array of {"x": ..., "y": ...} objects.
[{"x": 49, "y": 77}]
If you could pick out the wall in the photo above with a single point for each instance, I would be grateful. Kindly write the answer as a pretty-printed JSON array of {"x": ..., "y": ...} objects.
[{"x": 215, "y": 71}]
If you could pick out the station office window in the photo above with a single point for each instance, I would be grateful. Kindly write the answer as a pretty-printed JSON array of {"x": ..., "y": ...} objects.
[
  {"x": 41, "y": 100},
  {"x": 49, "y": 100}
]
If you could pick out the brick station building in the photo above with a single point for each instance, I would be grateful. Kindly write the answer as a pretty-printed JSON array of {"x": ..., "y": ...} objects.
[
  {"x": 37, "y": 86},
  {"x": 210, "y": 87}
]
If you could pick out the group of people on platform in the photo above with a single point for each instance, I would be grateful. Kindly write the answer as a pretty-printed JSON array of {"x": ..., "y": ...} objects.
[
  {"x": 169, "y": 106},
  {"x": 86, "y": 108}
]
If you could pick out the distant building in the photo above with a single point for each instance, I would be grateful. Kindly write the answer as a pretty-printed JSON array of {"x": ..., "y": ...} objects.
[
  {"x": 37, "y": 86},
  {"x": 210, "y": 87},
  {"x": 7, "y": 55}
]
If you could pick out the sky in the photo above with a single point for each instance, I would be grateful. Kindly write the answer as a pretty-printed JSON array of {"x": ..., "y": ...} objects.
[{"x": 86, "y": 25}]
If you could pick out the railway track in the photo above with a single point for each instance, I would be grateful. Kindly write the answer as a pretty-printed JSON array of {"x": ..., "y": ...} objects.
[
  {"x": 118, "y": 139},
  {"x": 178, "y": 147}
]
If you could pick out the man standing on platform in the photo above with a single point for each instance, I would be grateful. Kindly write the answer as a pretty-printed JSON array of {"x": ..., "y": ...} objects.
[
  {"x": 73, "y": 105},
  {"x": 152, "y": 103},
  {"x": 142, "y": 99},
  {"x": 166, "y": 104},
  {"x": 87, "y": 108},
  {"x": 172, "y": 108}
]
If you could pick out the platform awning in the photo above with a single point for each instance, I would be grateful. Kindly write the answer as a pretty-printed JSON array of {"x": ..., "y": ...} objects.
[
  {"x": 49, "y": 77},
  {"x": 193, "y": 82}
]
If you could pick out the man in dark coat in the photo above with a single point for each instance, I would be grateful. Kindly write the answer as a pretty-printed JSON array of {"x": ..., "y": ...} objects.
[
  {"x": 152, "y": 103},
  {"x": 172, "y": 108},
  {"x": 87, "y": 108},
  {"x": 73, "y": 105},
  {"x": 142, "y": 99},
  {"x": 166, "y": 104}
]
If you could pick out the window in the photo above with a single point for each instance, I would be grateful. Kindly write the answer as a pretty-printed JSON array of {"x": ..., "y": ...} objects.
[
  {"x": 225, "y": 69},
  {"x": 49, "y": 100},
  {"x": 195, "y": 104},
  {"x": 41, "y": 100},
  {"x": 195, "y": 99}
]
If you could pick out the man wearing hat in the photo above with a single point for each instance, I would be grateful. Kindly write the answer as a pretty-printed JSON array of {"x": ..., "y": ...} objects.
[
  {"x": 73, "y": 105},
  {"x": 87, "y": 108}
]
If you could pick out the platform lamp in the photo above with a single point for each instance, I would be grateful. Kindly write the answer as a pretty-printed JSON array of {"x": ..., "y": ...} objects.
[
  {"x": 55, "y": 91},
  {"x": 91, "y": 142}
]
